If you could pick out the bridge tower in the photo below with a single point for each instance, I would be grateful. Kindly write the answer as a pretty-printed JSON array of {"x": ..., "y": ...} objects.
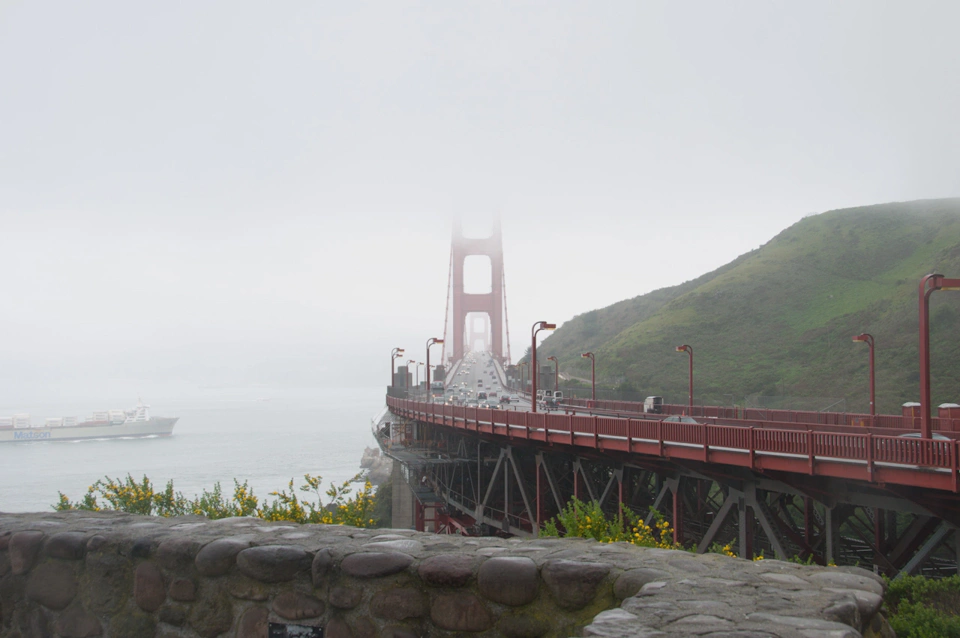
[{"x": 465, "y": 306}]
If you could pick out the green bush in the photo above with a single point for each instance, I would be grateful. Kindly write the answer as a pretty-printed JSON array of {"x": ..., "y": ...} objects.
[
  {"x": 922, "y": 607},
  {"x": 129, "y": 495},
  {"x": 587, "y": 520}
]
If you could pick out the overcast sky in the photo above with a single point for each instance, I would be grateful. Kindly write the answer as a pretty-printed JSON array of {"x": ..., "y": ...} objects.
[{"x": 226, "y": 192}]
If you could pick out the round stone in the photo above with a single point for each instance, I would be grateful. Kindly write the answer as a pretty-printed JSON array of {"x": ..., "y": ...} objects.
[
  {"x": 337, "y": 628},
  {"x": 375, "y": 564},
  {"x": 508, "y": 580},
  {"x": 183, "y": 590},
  {"x": 53, "y": 585},
  {"x": 176, "y": 554},
  {"x": 629, "y": 582},
  {"x": 460, "y": 611},
  {"x": 322, "y": 562},
  {"x": 24, "y": 548},
  {"x": 446, "y": 570},
  {"x": 572, "y": 583},
  {"x": 296, "y": 606},
  {"x": 216, "y": 558},
  {"x": 522, "y": 626},
  {"x": 148, "y": 589},
  {"x": 345, "y": 597},
  {"x": 273, "y": 563},
  {"x": 253, "y": 623},
  {"x": 399, "y": 604},
  {"x": 77, "y": 622},
  {"x": 66, "y": 545}
]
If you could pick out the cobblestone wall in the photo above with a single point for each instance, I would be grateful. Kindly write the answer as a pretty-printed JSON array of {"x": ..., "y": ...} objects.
[{"x": 82, "y": 574}]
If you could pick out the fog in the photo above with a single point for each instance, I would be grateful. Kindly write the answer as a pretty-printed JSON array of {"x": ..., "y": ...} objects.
[{"x": 243, "y": 194}]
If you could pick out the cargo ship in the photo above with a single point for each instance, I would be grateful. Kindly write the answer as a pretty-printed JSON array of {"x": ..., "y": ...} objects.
[{"x": 109, "y": 424}]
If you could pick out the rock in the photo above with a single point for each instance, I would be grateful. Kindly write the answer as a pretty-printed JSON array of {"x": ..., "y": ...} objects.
[
  {"x": 216, "y": 558},
  {"x": 630, "y": 581},
  {"x": 337, "y": 628},
  {"x": 508, "y": 580},
  {"x": 844, "y": 611},
  {"x": 273, "y": 563},
  {"x": 461, "y": 611},
  {"x": 375, "y": 564},
  {"x": 868, "y": 603},
  {"x": 253, "y": 623},
  {"x": 174, "y": 615},
  {"x": 132, "y": 625},
  {"x": 573, "y": 584},
  {"x": 142, "y": 547},
  {"x": 4, "y": 563},
  {"x": 212, "y": 615},
  {"x": 446, "y": 570},
  {"x": 183, "y": 590},
  {"x": 24, "y": 548},
  {"x": 845, "y": 580},
  {"x": 297, "y": 606},
  {"x": 785, "y": 580},
  {"x": 5, "y": 541},
  {"x": 399, "y": 604},
  {"x": 66, "y": 545},
  {"x": 148, "y": 589},
  {"x": 96, "y": 543},
  {"x": 77, "y": 622},
  {"x": 322, "y": 562},
  {"x": 107, "y": 581},
  {"x": 245, "y": 588},
  {"x": 522, "y": 626},
  {"x": 53, "y": 585},
  {"x": 343, "y": 597},
  {"x": 177, "y": 554}
]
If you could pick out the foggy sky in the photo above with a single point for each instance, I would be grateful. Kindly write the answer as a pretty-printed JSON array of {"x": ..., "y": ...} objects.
[{"x": 241, "y": 192}]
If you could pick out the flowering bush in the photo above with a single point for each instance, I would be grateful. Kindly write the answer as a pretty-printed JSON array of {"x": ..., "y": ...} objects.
[
  {"x": 587, "y": 520},
  {"x": 128, "y": 495}
]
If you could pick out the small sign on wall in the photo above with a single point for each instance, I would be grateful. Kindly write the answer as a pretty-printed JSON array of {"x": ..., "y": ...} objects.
[{"x": 283, "y": 630}]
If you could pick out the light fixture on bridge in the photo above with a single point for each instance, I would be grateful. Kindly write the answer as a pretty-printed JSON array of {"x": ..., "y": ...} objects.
[
  {"x": 537, "y": 327},
  {"x": 431, "y": 341},
  {"x": 689, "y": 349},
  {"x": 868, "y": 339},
  {"x": 395, "y": 354},
  {"x": 593, "y": 374}
]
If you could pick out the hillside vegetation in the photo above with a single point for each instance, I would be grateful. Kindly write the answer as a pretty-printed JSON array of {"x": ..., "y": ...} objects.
[{"x": 779, "y": 320}]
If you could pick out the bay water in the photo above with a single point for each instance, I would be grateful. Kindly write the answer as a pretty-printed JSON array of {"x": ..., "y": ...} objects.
[{"x": 264, "y": 436}]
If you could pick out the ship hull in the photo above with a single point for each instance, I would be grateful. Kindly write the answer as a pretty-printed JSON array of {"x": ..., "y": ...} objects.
[{"x": 156, "y": 426}]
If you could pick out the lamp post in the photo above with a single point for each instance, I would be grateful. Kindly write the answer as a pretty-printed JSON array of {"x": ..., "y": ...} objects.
[
  {"x": 689, "y": 350},
  {"x": 409, "y": 361},
  {"x": 521, "y": 366},
  {"x": 556, "y": 373},
  {"x": 419, "y": 363},
  {"x": 430, "y": 342},
  {"x": 395, "y": 354},
  {"x": 936, "y": 282},
  {"x": 868, "y": 339},
  {"x": 537, "y": 327},
  {"x": 593, "y": 374}
]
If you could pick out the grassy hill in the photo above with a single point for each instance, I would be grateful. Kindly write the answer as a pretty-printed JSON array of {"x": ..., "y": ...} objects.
[{"x": 779, "y": 319}]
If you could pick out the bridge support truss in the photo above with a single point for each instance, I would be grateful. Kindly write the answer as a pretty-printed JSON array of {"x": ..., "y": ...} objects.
[{"x": 472, "y": 483}]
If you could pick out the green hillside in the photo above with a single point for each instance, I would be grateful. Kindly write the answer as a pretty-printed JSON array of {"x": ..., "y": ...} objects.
[{"x": 779, "y": 320}]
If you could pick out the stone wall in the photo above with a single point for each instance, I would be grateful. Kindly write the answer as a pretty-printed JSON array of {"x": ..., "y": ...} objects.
[{"x": 82, "y": 574}]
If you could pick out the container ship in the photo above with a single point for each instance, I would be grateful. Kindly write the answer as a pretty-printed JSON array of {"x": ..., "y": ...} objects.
[{"x": 110, "y": 424}]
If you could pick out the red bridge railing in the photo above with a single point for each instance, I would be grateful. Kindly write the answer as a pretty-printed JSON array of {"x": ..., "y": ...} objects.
[{"x": 865, "y": 456}]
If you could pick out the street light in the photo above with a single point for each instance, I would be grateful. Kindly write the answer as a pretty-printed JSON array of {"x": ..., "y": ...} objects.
[
  {"x": 537, "y": 327},
  {"x": 937, "y": 282},
  {"x": 689, "y": 350},
  {"x": 430, "y": 342},
  {"x": 395, "y": 354},
  {"x": 593, "y": 374},
  {"x": 556, "y": 373},
  {"x": 868, "y": 339},
  {"x": 409, "y": 361},
  {"x": 419, "y": 363}
]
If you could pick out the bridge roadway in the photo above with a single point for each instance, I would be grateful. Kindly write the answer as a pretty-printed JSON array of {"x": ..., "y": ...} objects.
[{"x": 854, "y": 479}]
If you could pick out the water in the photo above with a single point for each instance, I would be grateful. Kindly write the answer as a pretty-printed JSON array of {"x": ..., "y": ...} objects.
[{"x": 265, "y": 437}]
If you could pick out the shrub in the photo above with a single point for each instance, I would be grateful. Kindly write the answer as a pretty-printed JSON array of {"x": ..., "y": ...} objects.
[
  {"x": 923, "y": 607},
  {"x": 587, "y": 520},
  {"x": 128, "y": 495}
]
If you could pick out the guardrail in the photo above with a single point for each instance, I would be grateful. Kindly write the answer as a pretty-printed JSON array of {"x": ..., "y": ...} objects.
[{"x": 930, "y": 463}]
